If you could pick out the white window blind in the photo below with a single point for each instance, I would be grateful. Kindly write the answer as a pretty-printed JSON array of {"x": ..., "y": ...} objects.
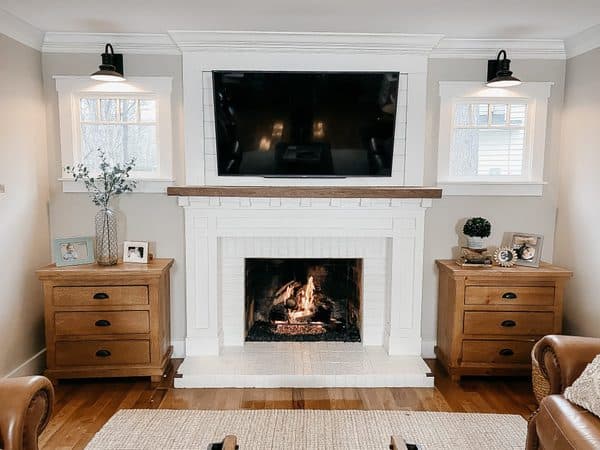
[
  {"x": 123, "y": 127},
  {"x": 488, "y": 140}
]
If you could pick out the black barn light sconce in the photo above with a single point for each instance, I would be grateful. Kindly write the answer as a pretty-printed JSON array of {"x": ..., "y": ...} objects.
[
  {"x": 499, "y": 74},
  {"x": 111, "y": 68}
]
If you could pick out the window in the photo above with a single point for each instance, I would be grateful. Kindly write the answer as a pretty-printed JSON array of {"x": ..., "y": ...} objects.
[
  {"x": 492, "y": 140},
  {"x": 127, "y": 120}
]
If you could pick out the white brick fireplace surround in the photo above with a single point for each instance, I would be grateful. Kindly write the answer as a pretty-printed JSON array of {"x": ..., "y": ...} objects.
[{"x": 220, "y": 232}]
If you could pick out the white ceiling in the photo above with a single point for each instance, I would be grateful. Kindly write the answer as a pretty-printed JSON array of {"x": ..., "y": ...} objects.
[{"x": 453, "y": 18}]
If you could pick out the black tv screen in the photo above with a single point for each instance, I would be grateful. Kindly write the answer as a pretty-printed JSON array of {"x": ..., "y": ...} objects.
[{"x": 305, "y": 124}]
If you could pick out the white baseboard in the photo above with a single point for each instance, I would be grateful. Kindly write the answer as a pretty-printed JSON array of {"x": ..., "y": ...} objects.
[
  {"x": 427, "y": 348},
  {"x": 178, "y": 348},
  {"x": 33, "y": 366}
]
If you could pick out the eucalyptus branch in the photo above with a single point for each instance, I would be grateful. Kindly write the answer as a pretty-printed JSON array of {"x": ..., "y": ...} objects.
[{"x": 111, "y": 181}]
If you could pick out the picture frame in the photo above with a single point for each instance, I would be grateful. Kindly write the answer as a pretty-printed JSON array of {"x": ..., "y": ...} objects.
[
  {"x": 135, "y": 252},
  {"x": 528, "y": 248},
  {"x": 73, "y": 251}
]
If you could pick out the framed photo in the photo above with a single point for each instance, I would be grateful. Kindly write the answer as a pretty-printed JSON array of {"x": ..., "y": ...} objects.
[
  {"x": 135, "y": 252},
  {"x": 528, "y": 248},
  {"x": 73, "y": 251}
]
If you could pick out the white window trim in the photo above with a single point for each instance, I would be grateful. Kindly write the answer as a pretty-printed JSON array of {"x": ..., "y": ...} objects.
[
  {"x": 71, "y": 88},
  {"x": 536, "y": 95}
]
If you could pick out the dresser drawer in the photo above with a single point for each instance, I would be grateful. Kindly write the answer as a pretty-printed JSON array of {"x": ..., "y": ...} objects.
[
  {"x": 100, "y": 295},
  {"x": 102, "y": 353},
  {"x": 509, "y": 323},
  {"x": 507, "y": 295},
  {"x": 497, "y": 352},
  {"x": 97, "y": 322}
]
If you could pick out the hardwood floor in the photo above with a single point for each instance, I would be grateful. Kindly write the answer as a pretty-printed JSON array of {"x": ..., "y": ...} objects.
[{"x": 83, "y": 406}]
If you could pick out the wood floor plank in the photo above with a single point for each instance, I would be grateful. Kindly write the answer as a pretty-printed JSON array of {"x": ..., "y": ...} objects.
[{"x": 83, "y": 406}]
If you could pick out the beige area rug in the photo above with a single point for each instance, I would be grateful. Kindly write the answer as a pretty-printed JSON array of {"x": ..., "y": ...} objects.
[{"x": 308, "y": 429}]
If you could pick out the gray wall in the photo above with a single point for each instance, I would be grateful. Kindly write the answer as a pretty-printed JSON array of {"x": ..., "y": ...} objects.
[
  {"x": 24, "y": 238},
  {"x": 145, "y": 217},
  {"x": 157, "y": 218},
  {"x": 577, "y": 244},
  {"x": 527, "y": 214}
]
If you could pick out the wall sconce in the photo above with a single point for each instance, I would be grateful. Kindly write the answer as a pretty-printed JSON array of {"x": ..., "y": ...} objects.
[
  {"x": 111, "y": 68},
  {"x": 499, "y": 74}
]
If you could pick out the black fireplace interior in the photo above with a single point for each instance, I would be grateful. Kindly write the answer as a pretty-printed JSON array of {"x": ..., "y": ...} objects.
[{"x": 303, "y": 299}]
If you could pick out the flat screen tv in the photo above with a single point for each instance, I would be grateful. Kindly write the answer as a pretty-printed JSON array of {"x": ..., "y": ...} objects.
[{"x": 305, "y": 124}]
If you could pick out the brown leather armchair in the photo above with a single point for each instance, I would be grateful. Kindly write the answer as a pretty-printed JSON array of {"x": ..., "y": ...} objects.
[
  {"x": 559, "y": 424},
  {"x": 25, "y": 408}
]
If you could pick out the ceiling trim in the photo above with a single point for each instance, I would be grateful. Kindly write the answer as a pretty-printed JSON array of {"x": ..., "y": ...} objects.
[
  {"x": 20, "y": 31},
  {"x": 128, "y": 43},
  {"x": 583, "y": 42},
  {"x": 488, "y": 48},
  {"x": 432, "y": 45},
  {"x": 306, "y": 41}
]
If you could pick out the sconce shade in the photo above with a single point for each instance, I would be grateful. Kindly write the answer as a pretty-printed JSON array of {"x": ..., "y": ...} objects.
[
  {"x": 111, "y": 68},
  {"x": 499, "y": 73}
]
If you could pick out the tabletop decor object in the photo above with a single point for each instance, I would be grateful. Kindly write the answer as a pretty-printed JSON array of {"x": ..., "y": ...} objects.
[
  {"x": 477, "y": 229},
  {"x": 73, "y": 251},
  {"x": 505, "y": 256},
  {"x": 528, "y": 248},
  {"x": 112, "y": 180}
]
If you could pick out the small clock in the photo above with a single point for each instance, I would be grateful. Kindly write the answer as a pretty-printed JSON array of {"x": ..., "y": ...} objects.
[{"x": 505, "y": 256}]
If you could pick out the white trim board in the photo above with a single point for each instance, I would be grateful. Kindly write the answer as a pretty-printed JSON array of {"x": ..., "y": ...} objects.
[
  {"x": 583, "y": 42},
  {"x": 19, "y": 30},
  {"x": 176, "y": 41}
]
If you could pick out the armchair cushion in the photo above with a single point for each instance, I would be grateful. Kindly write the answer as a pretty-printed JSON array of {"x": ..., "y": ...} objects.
[{"x": 585, "y": 391}]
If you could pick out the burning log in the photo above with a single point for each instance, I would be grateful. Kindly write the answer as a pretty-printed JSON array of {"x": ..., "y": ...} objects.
[{"x": 286, "y": 292}]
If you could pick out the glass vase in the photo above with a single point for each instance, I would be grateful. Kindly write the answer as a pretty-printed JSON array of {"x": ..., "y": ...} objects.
[{"x": 106, "y": 237}]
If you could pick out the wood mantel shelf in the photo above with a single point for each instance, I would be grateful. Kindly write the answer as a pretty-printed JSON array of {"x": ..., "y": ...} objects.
[{"x": 306, "y": 192}]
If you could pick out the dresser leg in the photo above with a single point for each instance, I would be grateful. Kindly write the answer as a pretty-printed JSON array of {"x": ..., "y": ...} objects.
[
  {"x": 155, "y": 379},
  {"x": 455, "y": 378}
]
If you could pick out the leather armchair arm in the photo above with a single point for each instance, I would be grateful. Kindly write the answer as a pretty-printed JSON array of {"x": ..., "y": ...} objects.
[
  {"x": 25, "y": 408},
  {"x": 561, "y": 359}
]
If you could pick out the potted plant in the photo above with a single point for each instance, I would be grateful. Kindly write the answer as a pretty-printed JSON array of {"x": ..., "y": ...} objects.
[
  {"x": 477, "y": 229},
  {"x": 112, "y": 180}
]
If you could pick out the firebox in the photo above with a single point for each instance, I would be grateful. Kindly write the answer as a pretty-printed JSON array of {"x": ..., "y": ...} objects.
[{"x": 303, "y": 299}]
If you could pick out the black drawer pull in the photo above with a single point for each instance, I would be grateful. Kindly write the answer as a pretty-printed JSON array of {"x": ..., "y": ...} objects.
[
  {"x": 508, "y": 323},
  {"x": 102, "y": 323},
  {"x": 100, "y": 296},
  {"x": 103, "y": 353},
  {"x": 506, "y": 352},
  {"x": 509, "y": 296}
]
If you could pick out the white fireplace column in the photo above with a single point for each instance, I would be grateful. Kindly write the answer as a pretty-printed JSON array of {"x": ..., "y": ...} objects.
[{"x": 387, "y": 234}]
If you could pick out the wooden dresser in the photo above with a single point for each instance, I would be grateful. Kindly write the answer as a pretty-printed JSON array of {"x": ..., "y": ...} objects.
[
  {"x": 489, "y": 318},
  {"x": 107, "y": 321}
]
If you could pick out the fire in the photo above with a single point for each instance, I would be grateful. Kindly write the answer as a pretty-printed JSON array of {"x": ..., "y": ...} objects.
[{"x": 304, "y": 305}]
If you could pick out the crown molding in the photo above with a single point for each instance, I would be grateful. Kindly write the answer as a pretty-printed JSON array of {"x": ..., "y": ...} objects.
[
  {"x": 305, "y": 42},
  {"x": 432, "y": 45},
  {"x": 488, "y": 48},
  {"x": 128, "y": 43},
  {"x": 583, "y": 42},
  {"x": 20, "y": 31}
]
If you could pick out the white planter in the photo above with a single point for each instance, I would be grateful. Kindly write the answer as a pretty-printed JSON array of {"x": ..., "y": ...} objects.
[{"x": 475, "y": 242}]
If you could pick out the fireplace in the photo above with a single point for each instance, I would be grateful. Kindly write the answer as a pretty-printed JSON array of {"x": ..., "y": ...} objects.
[{"x": 298, "y": 299}]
